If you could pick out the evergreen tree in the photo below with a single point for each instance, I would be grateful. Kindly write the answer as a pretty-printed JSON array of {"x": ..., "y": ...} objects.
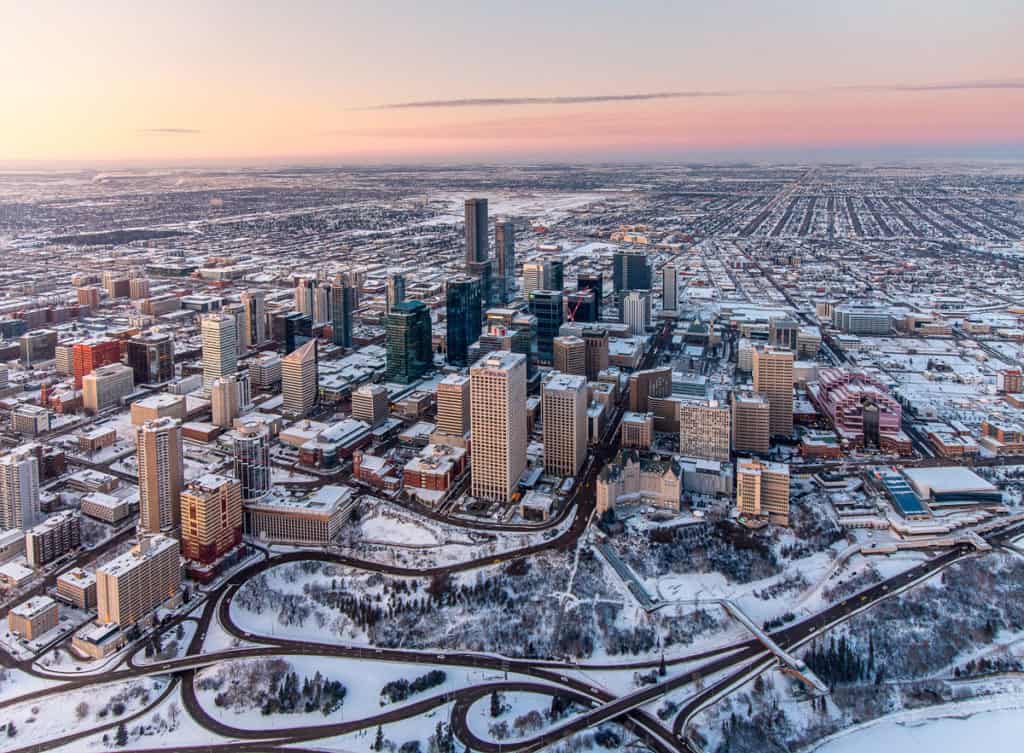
[
  {"x": 378, "y": 741},
  {"x": 121, "y": 738},
  {"x": 495, "y": 704}
]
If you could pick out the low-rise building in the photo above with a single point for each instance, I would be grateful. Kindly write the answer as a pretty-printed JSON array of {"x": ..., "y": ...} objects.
[
  {"x": 314, "y": 520},
  {"x": 435, "y": 468},
  {"x": 106, "y": 507},
  {"x": 32, "y": 618},
  {"x": 78, "y": 587}
]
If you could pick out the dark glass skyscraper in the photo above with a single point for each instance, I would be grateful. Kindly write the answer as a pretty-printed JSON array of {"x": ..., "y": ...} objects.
[
  {"x": 464, "y": 314},
  {"x": 592, "y": 281},
  {"x": 546, "y": 305},
  {"x": 554, "y": 271},
  {"x": 504, "y": 283},
  {"x": 292, "y": 330},
  {"x": 151, "y": 358},
  {"x": 631, "y": 271},
  {"x": 580, "y": 306},
  {"x": 409, "y": 351},
  {"x": 395, "y": 291},
  {"x": 343, "y": 304},
  {"x": 476, "y": 231}
]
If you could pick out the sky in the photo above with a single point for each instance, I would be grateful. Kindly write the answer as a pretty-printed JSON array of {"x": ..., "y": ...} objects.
[{"x": 561, "y": 80}]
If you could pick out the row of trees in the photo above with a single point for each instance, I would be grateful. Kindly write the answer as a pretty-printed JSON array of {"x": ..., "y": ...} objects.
[{"x": 399, "y": 690}]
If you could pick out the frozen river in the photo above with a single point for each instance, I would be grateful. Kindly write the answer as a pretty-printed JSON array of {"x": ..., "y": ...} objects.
[{"x": 989, "y": 732}]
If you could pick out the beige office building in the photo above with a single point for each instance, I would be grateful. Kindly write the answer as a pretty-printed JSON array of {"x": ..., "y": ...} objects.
[
  {"x": 570, "y": 355},
  {"x": 762, "y": 490},
  {"x": 299, "y": 380},
  {"x": 750, "y": 423},
  {"x": 637, "y": 430},
  {"x": 498, "y": 421},
  {"x": 704, "y": 430},
  {"x": 773, "y": 378},
  {"x": 453, "y": 407},
  {"x": 224, "y": 401},
  {"x": 220, "y": 347},
  {"x": 564, "y": 414},
  {"x": 131, "y": 586},
  {"x": 370, "y": 403},
  {"x": 160, "y": 459},
  {"x": 105, "y": 386}
]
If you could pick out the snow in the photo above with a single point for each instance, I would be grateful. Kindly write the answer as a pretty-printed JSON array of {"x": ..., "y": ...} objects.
[
  {"x": 992, "y": 731},
  {"x": 41, "y": 720},
  {"x": 395, "y": 531},
  {"x": 15, "y": 682}
]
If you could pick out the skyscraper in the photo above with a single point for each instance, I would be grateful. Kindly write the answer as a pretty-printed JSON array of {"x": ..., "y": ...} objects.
[
  {"x": 596, "y": 339},
  {"x": 580, "y": 306},
  {"x": 220, "y": 354},
  {"x": 252, "y": 459},
  {"x": 255, "y": 332},
  {"x": 322, "y": 303},
  {"x": 476, "y": 232},
  {"x": 463, "y": 321},
  {"x": 453, "y": 409},
  {"x": 224, "y": 401},
  {"x": 497, "y": 397},
  {"x": 546, "y": 305},
  {"x": 704, "y": 430},
  {"x": 408, "y": 341},
  {"x": 554, "y": 274},
  {"x": 19, "y": 488},
  {"x": 299, "y": 380},
  {"x": 669, "y": 288},
  {"x": 773, "y": 378},
  {"x": 211, "y": 518},
  {"x": 636, "y": 311},
  {"x": 504, "y": 282},
  {"x": 160, "y": 460},
  {"x": 750, "y": 422},
  {"x": 564, "y": 414},
  {"x": 130, "y": 586},
  {"x": 291, "y": 330},
  {"x": 533, "y": 277},
  {"x": 395, "y": 292},
  {"x": 762, "y": 490},
  {"x": 343, "y": 305},
  {"x": 151, "y": 357},
  {"x": 630, "y": 271},
  {"x": 570, "y": 355},
  {"x": 304, "y": 295},
  {"x": 592, "y": 281}
]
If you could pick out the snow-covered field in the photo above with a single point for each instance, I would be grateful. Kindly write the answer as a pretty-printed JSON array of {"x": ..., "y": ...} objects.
[{"x": 77, "y": 710}]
